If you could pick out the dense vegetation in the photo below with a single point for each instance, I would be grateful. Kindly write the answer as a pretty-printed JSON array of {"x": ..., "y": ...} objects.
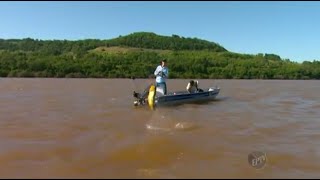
[
  {"x": 154, "y": 41},
  {"x": 138, "y": 54}
]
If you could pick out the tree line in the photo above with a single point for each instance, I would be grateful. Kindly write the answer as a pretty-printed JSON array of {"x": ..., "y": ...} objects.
[{"x": 187, "y": 58}]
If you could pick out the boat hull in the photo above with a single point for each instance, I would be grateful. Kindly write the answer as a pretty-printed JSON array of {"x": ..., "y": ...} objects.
[{"x": 176, "y": 98}]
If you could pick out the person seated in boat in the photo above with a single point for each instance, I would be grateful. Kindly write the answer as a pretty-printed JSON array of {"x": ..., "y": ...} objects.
[{"x": 192, "y": 87}]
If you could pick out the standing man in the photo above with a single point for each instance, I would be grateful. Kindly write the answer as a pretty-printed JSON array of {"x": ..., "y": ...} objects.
[{"x": 161, "y": 74}]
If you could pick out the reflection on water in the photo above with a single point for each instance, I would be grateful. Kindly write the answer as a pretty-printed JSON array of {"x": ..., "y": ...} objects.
[{"x": 88, "y": 128}]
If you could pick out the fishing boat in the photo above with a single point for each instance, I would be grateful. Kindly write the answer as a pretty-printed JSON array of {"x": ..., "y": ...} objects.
[
  {"x": 183, "y": 97},
  {"x": 157, "y": 98}
]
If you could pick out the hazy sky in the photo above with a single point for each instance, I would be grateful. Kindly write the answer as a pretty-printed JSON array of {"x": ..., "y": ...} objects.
[{"x": 289, "y": 29}]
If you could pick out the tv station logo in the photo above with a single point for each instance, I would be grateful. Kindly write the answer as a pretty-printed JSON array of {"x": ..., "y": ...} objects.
[{"x": 257, "y": 159}]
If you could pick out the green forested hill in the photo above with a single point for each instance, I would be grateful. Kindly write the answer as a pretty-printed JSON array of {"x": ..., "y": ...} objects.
[
  {"x": 138, "y": 54},
  {"x": 154, "y": 41}
]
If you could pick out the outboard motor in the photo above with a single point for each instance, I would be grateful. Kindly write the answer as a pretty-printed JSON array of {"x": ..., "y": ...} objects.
[{"x": 138, "y": 99}]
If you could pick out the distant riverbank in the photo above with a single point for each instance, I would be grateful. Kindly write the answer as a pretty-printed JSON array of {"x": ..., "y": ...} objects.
[{"x": 139, "y": 54}]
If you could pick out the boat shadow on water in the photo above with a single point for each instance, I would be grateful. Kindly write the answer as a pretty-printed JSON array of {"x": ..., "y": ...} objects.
[{"x": 223, "y": 98}]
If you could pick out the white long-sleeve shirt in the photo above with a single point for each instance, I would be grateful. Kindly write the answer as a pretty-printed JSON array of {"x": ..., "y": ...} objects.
[{"x": 161, "y": 77}]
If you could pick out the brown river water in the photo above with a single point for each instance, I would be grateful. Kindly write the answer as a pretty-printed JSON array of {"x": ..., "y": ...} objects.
[{"x": 89, "y": 128}]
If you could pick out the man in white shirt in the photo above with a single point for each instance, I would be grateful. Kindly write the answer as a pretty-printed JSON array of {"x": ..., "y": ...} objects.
[{"x": 161, "y": 74}]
